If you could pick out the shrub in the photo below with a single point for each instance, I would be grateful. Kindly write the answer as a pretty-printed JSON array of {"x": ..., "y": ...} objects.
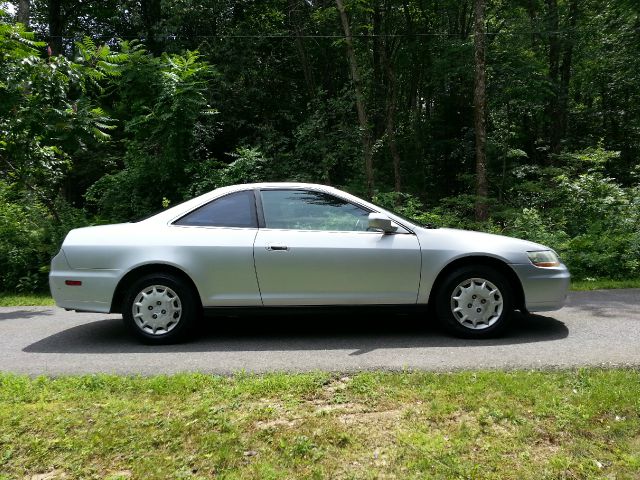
[
  {"x": 29, "y": 237},
  {"x": 23, "y": 245},
  {"x": 587, "y": 217}
]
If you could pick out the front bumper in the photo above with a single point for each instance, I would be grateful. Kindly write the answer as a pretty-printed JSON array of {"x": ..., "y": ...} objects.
[{"x": 544, "y": 289}]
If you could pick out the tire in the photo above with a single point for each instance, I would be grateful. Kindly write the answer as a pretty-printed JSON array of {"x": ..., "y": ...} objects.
[
  {"x": 475, "y": 301},
  {"x": 170, "y": 299}
]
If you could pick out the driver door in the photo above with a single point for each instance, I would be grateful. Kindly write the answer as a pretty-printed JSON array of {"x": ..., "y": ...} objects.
[{"x": 315, "y": 250}]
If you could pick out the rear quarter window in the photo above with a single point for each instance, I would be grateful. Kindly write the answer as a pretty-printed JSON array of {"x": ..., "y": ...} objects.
[{"x": 233, "y": 210}]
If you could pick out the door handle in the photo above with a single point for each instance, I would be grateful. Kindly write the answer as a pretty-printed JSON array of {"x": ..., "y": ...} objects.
[{"x": 277, "y": 248}]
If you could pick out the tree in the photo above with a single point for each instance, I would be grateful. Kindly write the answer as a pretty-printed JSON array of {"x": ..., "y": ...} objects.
[
  {"x": 55, "y": 21},
  {"x": 457, "y": 101},
  {"x": 151, "y": 12},
  {"x": 365, "y": 130},
  {"x": 294, "y": 20},
  {"x": 23, "y": 13},
  {"x": 161, "y": 150},
  {"x": 46, "y": 114},
  {"x": 479, "y": 116}
]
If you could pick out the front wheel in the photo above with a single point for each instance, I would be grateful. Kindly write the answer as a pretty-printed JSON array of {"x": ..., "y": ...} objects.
[
  {"x": 475, "y": 302},
  {"x": 159, "y": 309}
]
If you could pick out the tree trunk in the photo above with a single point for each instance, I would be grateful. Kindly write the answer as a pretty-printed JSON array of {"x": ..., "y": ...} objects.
[
  {"x": 151, "y": 12},
  {"x": 533, "y": 21},
  {"x": 554, "y": 40},
  {"x": 479, "y": 105},
  {"x": 302, "y": 53},
  {"x": 554, "y": 69},
  {"x": 55, "y": 26},
  {"x": 377, "y": 105},
  {"x": 23, "y": 13},
  {"x": 365, "y": 132},
  {"x": 466, "y": 17},
  {"x": 391, "y": 135},
  {"x": 565, "y": 75},
  {"x": 416, "y": 61},
  {"x": 391, "y": 109}
]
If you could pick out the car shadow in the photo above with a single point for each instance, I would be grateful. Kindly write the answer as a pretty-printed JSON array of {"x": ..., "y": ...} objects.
[
  {"x": 296, "y": 333},
  {"x": 610, "y": 304},
  {"x": 23, "y": 314}
]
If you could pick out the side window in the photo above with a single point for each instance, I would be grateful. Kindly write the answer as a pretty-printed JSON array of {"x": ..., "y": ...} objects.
[
  {"x": 308, "y": 210},
  {"x": 233, "y": 210}
]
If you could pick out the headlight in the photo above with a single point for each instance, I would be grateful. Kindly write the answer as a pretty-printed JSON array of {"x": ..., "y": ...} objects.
[{"x": 544, "y": 258}]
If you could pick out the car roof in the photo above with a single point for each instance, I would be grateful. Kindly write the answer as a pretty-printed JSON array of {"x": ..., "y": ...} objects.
[
  {"x": 282, "y": 185},
  {"x": 173, "y": 212}
]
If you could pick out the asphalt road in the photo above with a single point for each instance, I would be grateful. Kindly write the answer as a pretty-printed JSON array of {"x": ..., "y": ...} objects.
[{"x": 595, "y": 328}]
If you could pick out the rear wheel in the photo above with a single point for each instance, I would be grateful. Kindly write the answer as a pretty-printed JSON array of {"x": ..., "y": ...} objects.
[
  {"x": 475, "y": 302},
  {"x": 159, "y": 308}
]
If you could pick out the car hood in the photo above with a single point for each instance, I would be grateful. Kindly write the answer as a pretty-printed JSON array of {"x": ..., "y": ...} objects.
[{"x": 465, "y": 242}]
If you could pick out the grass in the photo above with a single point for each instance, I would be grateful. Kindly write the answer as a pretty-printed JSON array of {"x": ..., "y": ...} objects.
[
  {"x": 44, "y": 299},
  {"x": 604, "y": 284},
  {"x": 8, "y": 299},
  {"x": 489, "y": 425}
]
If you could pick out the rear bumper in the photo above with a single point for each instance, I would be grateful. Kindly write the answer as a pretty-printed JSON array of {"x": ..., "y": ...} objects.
[
  {"x": 544, "y": 289},
  {"x": 93, "y": 295}
]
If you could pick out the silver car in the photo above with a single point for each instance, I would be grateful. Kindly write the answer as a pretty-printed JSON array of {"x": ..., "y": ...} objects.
[{"x": 292, "y": 246}]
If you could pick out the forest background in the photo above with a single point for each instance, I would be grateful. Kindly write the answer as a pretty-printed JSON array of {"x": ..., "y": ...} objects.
[{"x": 519, "y": 117}]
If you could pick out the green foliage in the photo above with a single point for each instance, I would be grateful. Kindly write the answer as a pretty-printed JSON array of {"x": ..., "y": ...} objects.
[
  {"x": 114, "y": 130},
  {"x": 408, "y": 206},
  {"x": 590, "y": 219},
  {"x": 530, "y": 224},
  {"x": 159, "y": 137},
  {"x": 45, "y": 115},
  {"x": 249, "y": 165},
  {"x": 15, "y": 41},
  {"x": 326, "y": 142},
  {"x": 604, "y": 254},
  {"x": 538, "y": 424},
  {"x": 23, "y": 242},
  {"x": 25, "y": 299},
  {"x": 29, "y": 237}
]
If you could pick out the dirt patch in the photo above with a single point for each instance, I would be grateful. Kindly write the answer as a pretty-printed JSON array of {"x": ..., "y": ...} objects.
[
  {"x": 343, "y": 408},
  {"x": 52, "y": 475},
  {"x": 278, "y": 422},
  {"x": 371, "y": 418}
]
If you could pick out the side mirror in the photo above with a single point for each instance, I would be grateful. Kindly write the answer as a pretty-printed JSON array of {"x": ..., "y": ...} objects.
[{"x": 378, "y": 221}]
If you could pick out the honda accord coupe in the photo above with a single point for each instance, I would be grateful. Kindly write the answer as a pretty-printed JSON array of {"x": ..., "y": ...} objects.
[{"x": 275, "y": 247}]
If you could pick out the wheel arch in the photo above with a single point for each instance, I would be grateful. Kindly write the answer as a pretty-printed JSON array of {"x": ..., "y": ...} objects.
[
  {"x": 497, "y": 264},
  {"x": 142, "y": 270}
]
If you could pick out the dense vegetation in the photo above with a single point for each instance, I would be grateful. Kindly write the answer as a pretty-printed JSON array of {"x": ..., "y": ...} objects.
[{"x": 111, "y": 110}]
